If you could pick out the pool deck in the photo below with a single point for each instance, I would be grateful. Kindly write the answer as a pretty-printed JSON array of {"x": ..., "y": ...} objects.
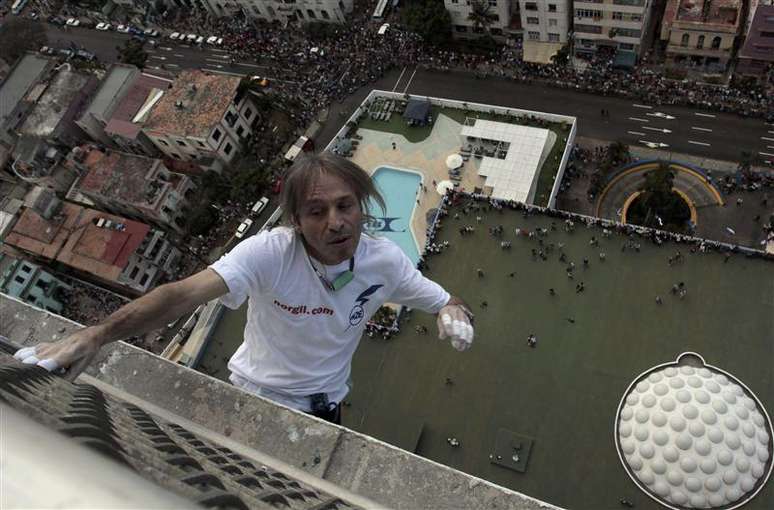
[{"x": 427, "y": 158}]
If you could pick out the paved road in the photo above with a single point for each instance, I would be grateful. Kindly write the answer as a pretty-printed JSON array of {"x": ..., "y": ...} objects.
[{"x": 678, "y": 129}]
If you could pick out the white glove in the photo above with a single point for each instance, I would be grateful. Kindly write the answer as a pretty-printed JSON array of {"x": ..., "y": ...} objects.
[
  {"x": 454, "y": 323},
  {"x": 28, "y": 356}
]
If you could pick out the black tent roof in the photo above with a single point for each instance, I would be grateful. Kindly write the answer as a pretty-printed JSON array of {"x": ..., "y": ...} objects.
[{"x": 417, "y": 110}]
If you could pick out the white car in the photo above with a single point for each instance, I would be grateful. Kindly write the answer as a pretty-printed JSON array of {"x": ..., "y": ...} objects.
[
  {"x": 175, "y": 36},
  {"x": 215, "y": 40},
  {"x": 243, "y": 228},
  {"x": 191, "y": 37},
  {"x": 72, "y": 22},
  {"x": 259, "y": 206},
  {"x": 123, "y": 29},
  {"x": 200, "y": 39},
  {"x": 102, "y": 27},
  {"x": 151, "y": 32}
]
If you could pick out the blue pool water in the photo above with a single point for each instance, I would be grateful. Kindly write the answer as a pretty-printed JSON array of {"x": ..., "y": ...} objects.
[{"x": 399, "y": 189}]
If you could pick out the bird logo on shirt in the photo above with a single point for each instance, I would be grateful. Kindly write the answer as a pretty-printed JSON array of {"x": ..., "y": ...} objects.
[{"x": 357, "y": 314}]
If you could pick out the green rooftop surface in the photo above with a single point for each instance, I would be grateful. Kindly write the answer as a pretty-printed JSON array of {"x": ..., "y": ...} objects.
[{"x": 564, "y": 393}]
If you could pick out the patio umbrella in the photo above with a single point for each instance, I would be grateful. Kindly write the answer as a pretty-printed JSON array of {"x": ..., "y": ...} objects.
[
  {"x": 454, "y": 161},
  {"x": 442, "y": 186}
]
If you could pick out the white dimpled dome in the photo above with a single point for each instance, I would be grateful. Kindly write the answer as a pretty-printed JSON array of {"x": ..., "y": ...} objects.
[{"x": 694, "y": 438}]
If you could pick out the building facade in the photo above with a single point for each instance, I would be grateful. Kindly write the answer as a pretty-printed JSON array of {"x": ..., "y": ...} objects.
[
  {"x": 202, "y": 119},
  {"x": 30, "y": 283},
  {"x": 756, "y": 58},
  {"x": 133, "y": 186},
  {"x": 505, "y": 20},
  {"x": 546, "y": 26},
  {"x": 701, "y": 33},
  {"x": 614, "y": 24},
  {"x": 124, "y": 255},
  {"x": 284, "y": 11}
]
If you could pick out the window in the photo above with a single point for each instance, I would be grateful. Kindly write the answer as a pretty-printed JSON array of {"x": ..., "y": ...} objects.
[
  {"x": 626, "y": 16},
  {"x": 700, "y": 42},
  {"x": 533, "y": 21},
  {"x": 134, "y": 272},
  {"x": 496, "y": 31},
  {"x": 551, "y": 7},
  {"x": 248, "y": 113},
  {"x": 231, "y": 119},
  {"x": 181, "y": 143},
  {"x": 684, "y": 40},
  {"x": 310, "y": 13},
  {"x": 144, "y": 279},
  {"x": 176, "y": 156},
  {"x": 216, "y": 134},
  {"x": 588, "y": 29},
  {"x": 492, "y": 3},
  {"x": 626, "y": 46},
  {"x": 533, "y": 36},
  {"x": 495, "y": 17},
  {"x": 240, "y": 130},
  {"x": 716, "y": 43},
  {"x": 587, "y": 13},
  {"x": 553, "y": 37},
  {"x": 19, "y": 279},
  {"x": 201, "y": 144},
  {"x": 164, "y": 143},
  {"x": 460, "y": 28},
  {"x": 628, "y": 32},
  {"x": 455, "y": 2},
  {"x": 25, "y": 268},
  {"x": 324, "y": 14},
  {"x": 552, "y": 22},
  {"x": 530, "y": 6},
  {"x": 228, "y": 148},
  {"x": 636, "y": 3}
]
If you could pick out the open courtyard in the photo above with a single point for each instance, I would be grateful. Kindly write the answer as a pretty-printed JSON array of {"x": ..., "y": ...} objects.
[{"x": 416, "y": 392}]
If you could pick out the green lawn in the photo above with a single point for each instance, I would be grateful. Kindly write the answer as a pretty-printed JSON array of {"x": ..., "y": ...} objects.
[{"x": 564, "y": 393}]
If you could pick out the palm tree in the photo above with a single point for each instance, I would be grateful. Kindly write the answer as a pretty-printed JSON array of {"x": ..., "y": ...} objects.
[{"x": 480, "y": 15}]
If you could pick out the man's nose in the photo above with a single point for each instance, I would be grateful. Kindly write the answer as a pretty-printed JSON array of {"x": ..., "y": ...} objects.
[{"x": 335, "y": 220}]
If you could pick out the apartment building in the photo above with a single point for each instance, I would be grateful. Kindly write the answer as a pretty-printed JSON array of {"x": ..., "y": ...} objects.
[
  {"x": 31, "y": 283},
  {"x": 505, "y": 18},
  {"x": 133, "y": 186},
  {"x": 618, "y": 25},
  {"x": 756, "y": 57},
  {"x": 701, "y": 33},
  {"x": 202, "y": 119},
  {"x": 284, "y": 11},
  {"x": 546, "y": 25},
  {"x": 125, "y": 255}
]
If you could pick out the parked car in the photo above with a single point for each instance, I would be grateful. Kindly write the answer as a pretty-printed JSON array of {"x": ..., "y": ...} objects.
[
  {"x": 47, "y": 50},
  {"x": 103, "y": 27},
  {"x": 85, "y": 55},
  {"x": 56, "y": 20},
  {"x": 123, "y": 29},
  {"x": 243, "y": 228},
  {"x": 191, "y": 37},
  {"x": 135, "y": 31},
  {"x": 72, "y": 22},
  {"x": 259, "y": 206},
  {"x": 215, "y": 40},
  {"x": 260, "y": 80},
  {"x": 67, "y": 53},
  {"x": 151, "y": 33},
  {"x": 175, "y": 36},
  {"x": 200, "y": 39}
]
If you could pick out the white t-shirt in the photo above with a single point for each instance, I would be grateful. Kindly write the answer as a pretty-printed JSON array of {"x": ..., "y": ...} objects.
[{"x": 300, "y": 336}]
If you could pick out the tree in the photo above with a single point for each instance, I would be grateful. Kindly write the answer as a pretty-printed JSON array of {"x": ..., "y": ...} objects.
[
  {"x": 18, "y": 35},
  {"x": 429, "y": 19},
  {"x": 658, "y": 205},
  {"x": 562, "y": 57},
  {"x": 132, "y": 53},
  {"x": 480, "y": 15}
]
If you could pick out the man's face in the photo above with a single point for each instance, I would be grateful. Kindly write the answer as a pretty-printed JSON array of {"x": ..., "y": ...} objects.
[{"x": 330, "y": 220}]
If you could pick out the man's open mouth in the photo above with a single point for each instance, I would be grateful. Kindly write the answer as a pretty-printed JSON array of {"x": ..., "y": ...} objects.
[{"x": 340, "y": 240}]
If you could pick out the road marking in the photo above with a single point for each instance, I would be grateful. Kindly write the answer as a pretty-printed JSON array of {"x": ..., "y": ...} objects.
[
  {"x": 771, "y": 132},
  {"x": 179, "y": 55},
  {"x": 399, "y": 78},
  {"x": 638, "y": 120},
  {"x": 165, "y": 48},
  {"x": 654, "y": 145},
  {"x": 770, "y": 146},
  {"x": 221, "y": 72},
  {"x": 249, "y": 65},
  {"x": 660, "y": 115},
  {"x": 705, "y": 115},
  {"x": 765, "y": 154},
  {"x": 701, "y": 129},
  {"x": 698, "y": 143},
  {"x": 154, "y": 67},
  {"x": 172, "y": 65},
  {"x": 637, "y": 133},
  {"x": 213, "y": 60},
  {"x": 411, "y": 78},
  {"x": 159, "y": 58},
  {"x": 660, "y": 130},
  {"x": 767, "y": 139},
  {"x": 642, "y": 106}
]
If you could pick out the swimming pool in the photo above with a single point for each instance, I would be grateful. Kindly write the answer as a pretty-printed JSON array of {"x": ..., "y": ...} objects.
[{"x": 399, "y": 189}]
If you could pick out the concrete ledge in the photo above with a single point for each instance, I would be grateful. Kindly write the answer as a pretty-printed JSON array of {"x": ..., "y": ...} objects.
[{"x": 352, "y": 461}]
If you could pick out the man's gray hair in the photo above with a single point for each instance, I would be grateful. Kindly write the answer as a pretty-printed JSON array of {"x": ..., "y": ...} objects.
[{"x": 307, "y": 169}]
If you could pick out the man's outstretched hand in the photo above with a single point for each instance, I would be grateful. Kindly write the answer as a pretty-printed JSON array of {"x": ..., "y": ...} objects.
[
  {"x": 70, "y": 355},
  {"x": 454, "y": 323}
]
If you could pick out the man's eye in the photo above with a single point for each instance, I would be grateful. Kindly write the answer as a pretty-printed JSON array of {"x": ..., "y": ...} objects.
[{"x": 344, "y": 207}]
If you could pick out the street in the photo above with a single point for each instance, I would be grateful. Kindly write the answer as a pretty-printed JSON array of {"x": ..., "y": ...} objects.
[{"x": 679, "y": 129}]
